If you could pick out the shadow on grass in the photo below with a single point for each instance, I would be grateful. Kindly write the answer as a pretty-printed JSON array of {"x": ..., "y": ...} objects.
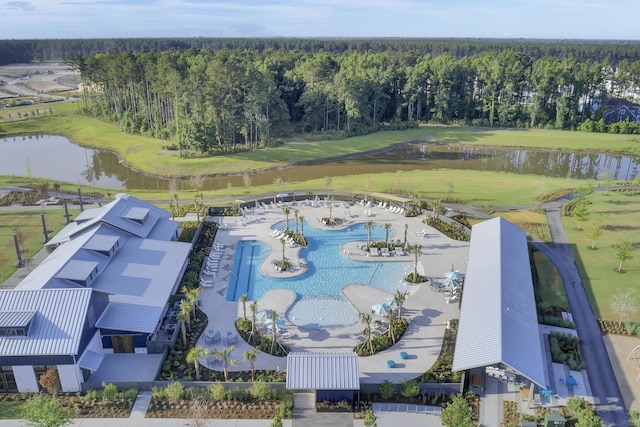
[
  {"x": 621, "y": 227},
  {"x": 586, "y": 283}
]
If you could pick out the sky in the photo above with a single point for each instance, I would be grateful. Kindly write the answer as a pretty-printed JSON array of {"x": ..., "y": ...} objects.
[{"x": 547, "y": 19}]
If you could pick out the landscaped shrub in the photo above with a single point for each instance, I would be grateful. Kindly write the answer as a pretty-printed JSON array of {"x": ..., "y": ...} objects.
[
  {"x": 174, "y": 391},
  {"x": 633, "y": 328},
  {"x": 217, "y": 391},
  {"x": 410, "y": 389},
  {"x": 450, "y": 230},
  {"x": 550, "y": 196},
  {"x": 286, "y": 404},
  {"x": 260, "y": 390},
  {"x": 565, "y": 348},
  {"x": 387, "y": 389},
  {"x": 109, "y": 392}
]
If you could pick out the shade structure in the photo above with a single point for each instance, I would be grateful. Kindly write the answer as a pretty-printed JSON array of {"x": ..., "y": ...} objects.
[
  {"x": 450, "y": 283},
  {"x": 280, "y": 322},
  {"x": 454, "y": 274},
  {"x": 263, "y": 315},
  {"x": 381, "y": 309},
  {"x": 391, "y": 302}
]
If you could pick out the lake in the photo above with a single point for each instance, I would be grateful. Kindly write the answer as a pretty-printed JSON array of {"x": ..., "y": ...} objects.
[{"x": 56, "y": 158}]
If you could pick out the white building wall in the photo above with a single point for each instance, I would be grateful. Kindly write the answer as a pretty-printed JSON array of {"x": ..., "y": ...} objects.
[
  {"x": 70, "y": 377},
  {"x": 26, "y": 379}
]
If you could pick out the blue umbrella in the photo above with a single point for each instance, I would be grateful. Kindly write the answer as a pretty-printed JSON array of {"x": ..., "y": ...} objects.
[
  {"x": 263, "y": 315},
  {"x": 391, "y": 302},
  {"x": 450, "y": 283},
  {"x": 280, "y": 322},
  {"x": 455, "y": 275},
  {"x": 381, "y": 309}
]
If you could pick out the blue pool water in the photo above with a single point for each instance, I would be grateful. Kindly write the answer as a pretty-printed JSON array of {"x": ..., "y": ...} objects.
[{"x": 320, "y": 302}]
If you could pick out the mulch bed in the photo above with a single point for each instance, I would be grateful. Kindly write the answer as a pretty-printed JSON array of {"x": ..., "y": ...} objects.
[{"x": 212, "y": 409}]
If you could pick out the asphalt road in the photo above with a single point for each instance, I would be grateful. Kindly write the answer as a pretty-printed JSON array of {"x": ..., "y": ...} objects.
[{"x": 604, "y": 387}]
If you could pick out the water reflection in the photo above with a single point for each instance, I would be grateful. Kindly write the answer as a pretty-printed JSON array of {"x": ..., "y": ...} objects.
[{"x": 56, "y": 158}]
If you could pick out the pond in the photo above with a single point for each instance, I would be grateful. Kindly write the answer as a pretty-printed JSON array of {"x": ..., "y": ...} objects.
[{"x": 56, "y": 158}]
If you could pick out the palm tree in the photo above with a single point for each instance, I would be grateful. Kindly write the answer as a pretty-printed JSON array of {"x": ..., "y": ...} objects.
[
  {"x": 416, "y": 250},
  {"x": 390, "y": 321},
  {"x": 369, "y": 225},
  {"x": 330, "y": 201},
  {"x": 273, "y": 316},
  {"x": 406, "y": 227},
  {"x": 295, "y": 213},
  {"x": 367, "y": 319},
  {"x": 243, "y": 300},
  {"x": 192, "y": 296},
  {"x": 301, "y": 218},
  {"x": 284, "y": 260},
  {"x": 225, "y": 355},
  {"x": 185, "y": 308},
  {"x": 183, "y": 318},
  {"x": 251, "y": 356},
  {"x": 399, "y": 299},
  {"x": 192, "y": 357},
  {"x": 254, "y": 310},
  {"x": 387, "y": 227},
  {"x": 286, "y": 211}
]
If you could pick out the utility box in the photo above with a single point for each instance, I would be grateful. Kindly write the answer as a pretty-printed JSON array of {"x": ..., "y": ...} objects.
[
  {"x": 528, "y": 424},
  {"x": 554, "y": 419}
]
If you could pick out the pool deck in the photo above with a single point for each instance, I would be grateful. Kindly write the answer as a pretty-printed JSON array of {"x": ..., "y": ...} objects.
[{"x": 426, "y": 308}]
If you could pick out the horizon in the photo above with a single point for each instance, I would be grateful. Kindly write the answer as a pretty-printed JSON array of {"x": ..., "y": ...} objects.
[{"x": 573, "y": 20}]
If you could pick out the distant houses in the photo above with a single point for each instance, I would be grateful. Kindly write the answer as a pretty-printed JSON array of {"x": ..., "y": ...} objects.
[
  {"x": 106, "y": 289},
  {"x": 618, "y": 110}
]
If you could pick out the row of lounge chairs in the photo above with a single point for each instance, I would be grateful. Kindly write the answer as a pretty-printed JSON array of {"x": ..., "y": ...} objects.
[
  {"x": 398, "y": 251},
  {"x": 212, "y": 263},
  {"x": 279, "y": 234}
]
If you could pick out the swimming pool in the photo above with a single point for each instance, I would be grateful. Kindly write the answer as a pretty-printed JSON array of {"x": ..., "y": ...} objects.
[{"x": 320, "y": 302}]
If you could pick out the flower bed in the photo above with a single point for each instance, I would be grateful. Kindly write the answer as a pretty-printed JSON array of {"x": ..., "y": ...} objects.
[
  {"x": 220, "y": 409},
  {"x": 440, "y": 372},
  {"x": 88, "y": 405}
]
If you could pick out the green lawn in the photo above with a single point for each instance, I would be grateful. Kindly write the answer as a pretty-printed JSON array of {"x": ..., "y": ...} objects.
[
  {"x": 11, "y": 410},
  {"x": 550, "y": 283},
  {"x": 618, "y": 213},
  {"x": 29, "y": 223}
]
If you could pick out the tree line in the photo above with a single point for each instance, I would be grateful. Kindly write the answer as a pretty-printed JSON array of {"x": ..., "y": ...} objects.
[
  {"x": 613, "y": 52},
  {"x": 208, "y": 101}
]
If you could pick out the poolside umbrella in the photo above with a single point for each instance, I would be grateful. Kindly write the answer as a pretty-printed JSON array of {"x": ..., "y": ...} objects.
[
  {"x": 263, "y": 315},
  {"x": 280, "y": 322},
  {"x": 381, "y": 309},
  {"x": 454, "y": 274},
  {"x": 391, "y": 302},
  {"x": 450, "y": 283}
]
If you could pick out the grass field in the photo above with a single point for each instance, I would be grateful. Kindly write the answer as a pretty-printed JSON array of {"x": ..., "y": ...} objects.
[
  {"x": 29, "y": 225},
  {"x": 551, "y": 287},
  {"x": 618, "y": 213}
]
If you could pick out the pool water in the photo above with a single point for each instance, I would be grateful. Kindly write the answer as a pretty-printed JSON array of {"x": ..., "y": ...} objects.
[{"x": 320, "y": 302}]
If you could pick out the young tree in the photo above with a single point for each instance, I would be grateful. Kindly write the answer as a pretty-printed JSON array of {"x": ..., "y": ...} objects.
[
  {"x": 586, "y": 190},
  {"x": 46, "y": 411},
  {"x": 330, "y": 203},
  {"x": 251, "y": 356},
  {"x": 457, "y": 413},
  {"x": 581, "y": 213},
  {"x": 273, "y": 316},
  {"x": 624, "y": 304},
  {"x": 286, "y": 211},
  {"x": 254, "y": 311},
  {"x": 399, "y": 298},
  {"x": 594, "y": 232},
  {"x": 607, "y": 179},
  {"x": 416, "y": 250},
  {"x": 183, "y": 319},
  {"x": 246, "y": 179},
  {"x": 624, "y": 252}
]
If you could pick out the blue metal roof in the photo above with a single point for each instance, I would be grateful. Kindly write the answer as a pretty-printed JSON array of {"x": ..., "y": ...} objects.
[
  {"x": 56, "y": 327},
  {"x": 16, "y": 319},
  {"x": 323, "y": 371}
]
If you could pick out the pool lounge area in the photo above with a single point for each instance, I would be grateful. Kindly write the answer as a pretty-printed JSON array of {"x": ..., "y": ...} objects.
[{"x": 427, "y": 309}]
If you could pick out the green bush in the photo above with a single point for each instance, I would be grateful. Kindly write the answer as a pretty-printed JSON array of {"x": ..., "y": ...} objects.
[
  {"x": 260, "y": 390},
  {"x": 174, "y": 391},
  {"x": 387, "y": 389},
  {"x": 109, "y": 392},
  {"x": 633, "y": 328},
  {"x": 277, "y": 422},
  {"x": 286, "y": 405},
  {"x": 410, "y": 389},
  {"x": 217, "y": 391}
]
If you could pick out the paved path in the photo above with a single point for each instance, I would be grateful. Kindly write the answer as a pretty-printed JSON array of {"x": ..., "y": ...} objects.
[{"x": 604, "y": 386}]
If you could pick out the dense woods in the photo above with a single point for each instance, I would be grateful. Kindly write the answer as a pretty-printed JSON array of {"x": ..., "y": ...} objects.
[
  {"x": 214, "y": 95},
  {"x": 208, "y": 101}
]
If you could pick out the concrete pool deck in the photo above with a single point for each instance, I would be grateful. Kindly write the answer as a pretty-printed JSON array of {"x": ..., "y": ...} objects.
[{"x": 426, "y": 308}]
